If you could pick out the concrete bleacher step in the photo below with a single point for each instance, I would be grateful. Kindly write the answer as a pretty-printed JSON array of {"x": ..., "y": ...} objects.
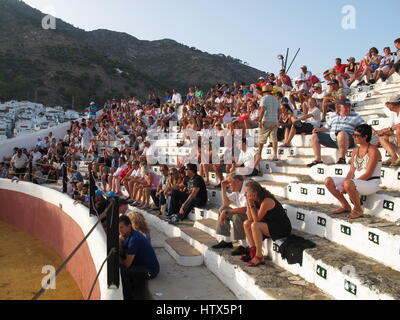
[
  {"x": 327, "y": 265},
  {"x": 390, "y": 176},
  {"x": 268, "y": 282},
  {"x": 373, "y": 237},
  {"x": 304, "y": 160},
  {"x": 342, "y": 273},
  {"x": 383, "y": 204},
  {"x": 183, "y": 253},
  {"x": 285, "y": 177}
]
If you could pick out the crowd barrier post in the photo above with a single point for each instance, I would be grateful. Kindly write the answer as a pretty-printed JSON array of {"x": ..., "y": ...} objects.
[{"x": 112, "y": 227}]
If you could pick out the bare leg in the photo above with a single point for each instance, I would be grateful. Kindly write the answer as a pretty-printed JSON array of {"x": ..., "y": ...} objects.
[
  {"x": 343, "y": 143},
  {"x": 316, "y": 146},
  {"x": 249, "y": 236},
  {"x": 258, "y": 229},
  {"x": 389, "y": 147},
  {"x": 292, "y": 133},
  {"x": 330, "y": 185},
  {"x": 351, "y": 189}
]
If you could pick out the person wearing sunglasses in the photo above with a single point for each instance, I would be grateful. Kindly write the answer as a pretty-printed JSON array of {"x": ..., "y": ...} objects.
[{"x": 363, "y": 178}]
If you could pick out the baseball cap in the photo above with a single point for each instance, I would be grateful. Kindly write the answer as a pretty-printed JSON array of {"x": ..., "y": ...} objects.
[
  {"x": 351, "y": 59},
  {"x": 98, "y": 193},
  {"x": 345, "y": 102},
  {"x": 394, "y": 99},
  {"x": 111, "y": 194},
  {"x": 303, "y": 67},
  {"x": 261, "y": 78},
  {"x": 318, "y": 84}
]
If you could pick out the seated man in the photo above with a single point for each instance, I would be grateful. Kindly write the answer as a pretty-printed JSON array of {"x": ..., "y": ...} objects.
[
  {"x": 298, "y": 92},
  {"x": 183, "y": 202},
  {"x": 138, "y": 260},
  {"x": 233, "y": 209},
  {"x": 390, "y": 137},
  {"x": 337, "y": 133},
  {"x": 247, "y": 161}
]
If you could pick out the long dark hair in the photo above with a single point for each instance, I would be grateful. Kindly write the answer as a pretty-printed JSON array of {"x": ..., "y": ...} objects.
[{"x": 261, "y": 192}]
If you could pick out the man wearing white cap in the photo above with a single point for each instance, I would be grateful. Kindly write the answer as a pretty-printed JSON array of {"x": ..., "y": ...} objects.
[{"x": 390, "y": 137}]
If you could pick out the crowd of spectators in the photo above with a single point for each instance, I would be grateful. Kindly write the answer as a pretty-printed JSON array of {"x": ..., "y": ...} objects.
[{"x": 117, "y": 146}]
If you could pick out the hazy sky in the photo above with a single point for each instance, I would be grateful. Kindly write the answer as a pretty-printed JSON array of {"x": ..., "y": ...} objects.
[{"x": 253, "y": 31}]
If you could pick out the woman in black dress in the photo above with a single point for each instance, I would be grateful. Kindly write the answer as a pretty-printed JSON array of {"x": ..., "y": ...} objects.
[{"x": 266, "y": 218}]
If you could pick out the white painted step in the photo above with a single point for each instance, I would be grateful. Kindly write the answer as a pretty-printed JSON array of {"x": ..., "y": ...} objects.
[
  {"x": 342, "y": 273},
  {"x": 240, "y": 279},
  {"x": 375, "y": 238},
  {"x": 333, "y": 258},
  {"x": 384, "y": 204},
  {"x": 183, "y": 253}
]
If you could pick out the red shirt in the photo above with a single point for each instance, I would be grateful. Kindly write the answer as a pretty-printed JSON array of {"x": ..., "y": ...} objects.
[
  {"x": 261, "y": 84},
  {"x": 341, "y": 69},
  {"x": 286, "y": 80}
]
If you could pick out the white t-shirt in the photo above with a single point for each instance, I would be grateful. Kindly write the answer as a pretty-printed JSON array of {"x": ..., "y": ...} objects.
[
  {"x": 305, "y": 77},
  {"x": 135, "y": 173},
  {"x": 254, "y": 114},
  {"x": 394, "y": 118},
  {"x": 120, "y": 169},
  {"x": 238, "y": 198},
  {"x": 19, "y": 162},
  {"x": 35, "y": 157},
  {"x": 319, "y": 96},
  {"x": 86, "y": 134},
  {"x": 177, "y": 98},
  {"x": 219, "y": 100},
  {"x": 303, "y": 86},
  {"x": 247, "y": 158},
  {"x": 316, "y": 119}
]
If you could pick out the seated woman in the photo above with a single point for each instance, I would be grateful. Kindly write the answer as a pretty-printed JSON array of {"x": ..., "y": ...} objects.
[
  {"x": 385, "y": 65},
  {"x": 266, "y": 218},
  {"x": 366, "y": 163},
  {"x": 115, "y": 180},
  {"x": 184, "y": 120},
  {"x": 285, "y": 116},
  {"x": 174, "y": 182},
  {"x": 372, "y": 62},
  {"x": 304, "y": 124},
  {"x": 351, "y": 68},
  {"x": 190, "y": 97},
  {"x": 254, "y": 116}
]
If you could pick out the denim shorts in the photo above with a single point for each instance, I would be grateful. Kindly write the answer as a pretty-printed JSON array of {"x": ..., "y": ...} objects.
[{"x": 326, "y": 140}]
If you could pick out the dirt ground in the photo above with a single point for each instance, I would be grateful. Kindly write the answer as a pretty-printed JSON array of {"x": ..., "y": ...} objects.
[{"x": 22, "y": 258}]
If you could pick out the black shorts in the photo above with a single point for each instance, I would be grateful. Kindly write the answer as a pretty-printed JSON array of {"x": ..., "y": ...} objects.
[
  {"x": 20, "y": 172},
  {"x": 304, "y": 127}
]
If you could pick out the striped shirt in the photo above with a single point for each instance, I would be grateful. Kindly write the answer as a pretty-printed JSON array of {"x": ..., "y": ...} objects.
[
  {"x": 271, "y": 104},
  {"x": 339, "y": 123}
]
